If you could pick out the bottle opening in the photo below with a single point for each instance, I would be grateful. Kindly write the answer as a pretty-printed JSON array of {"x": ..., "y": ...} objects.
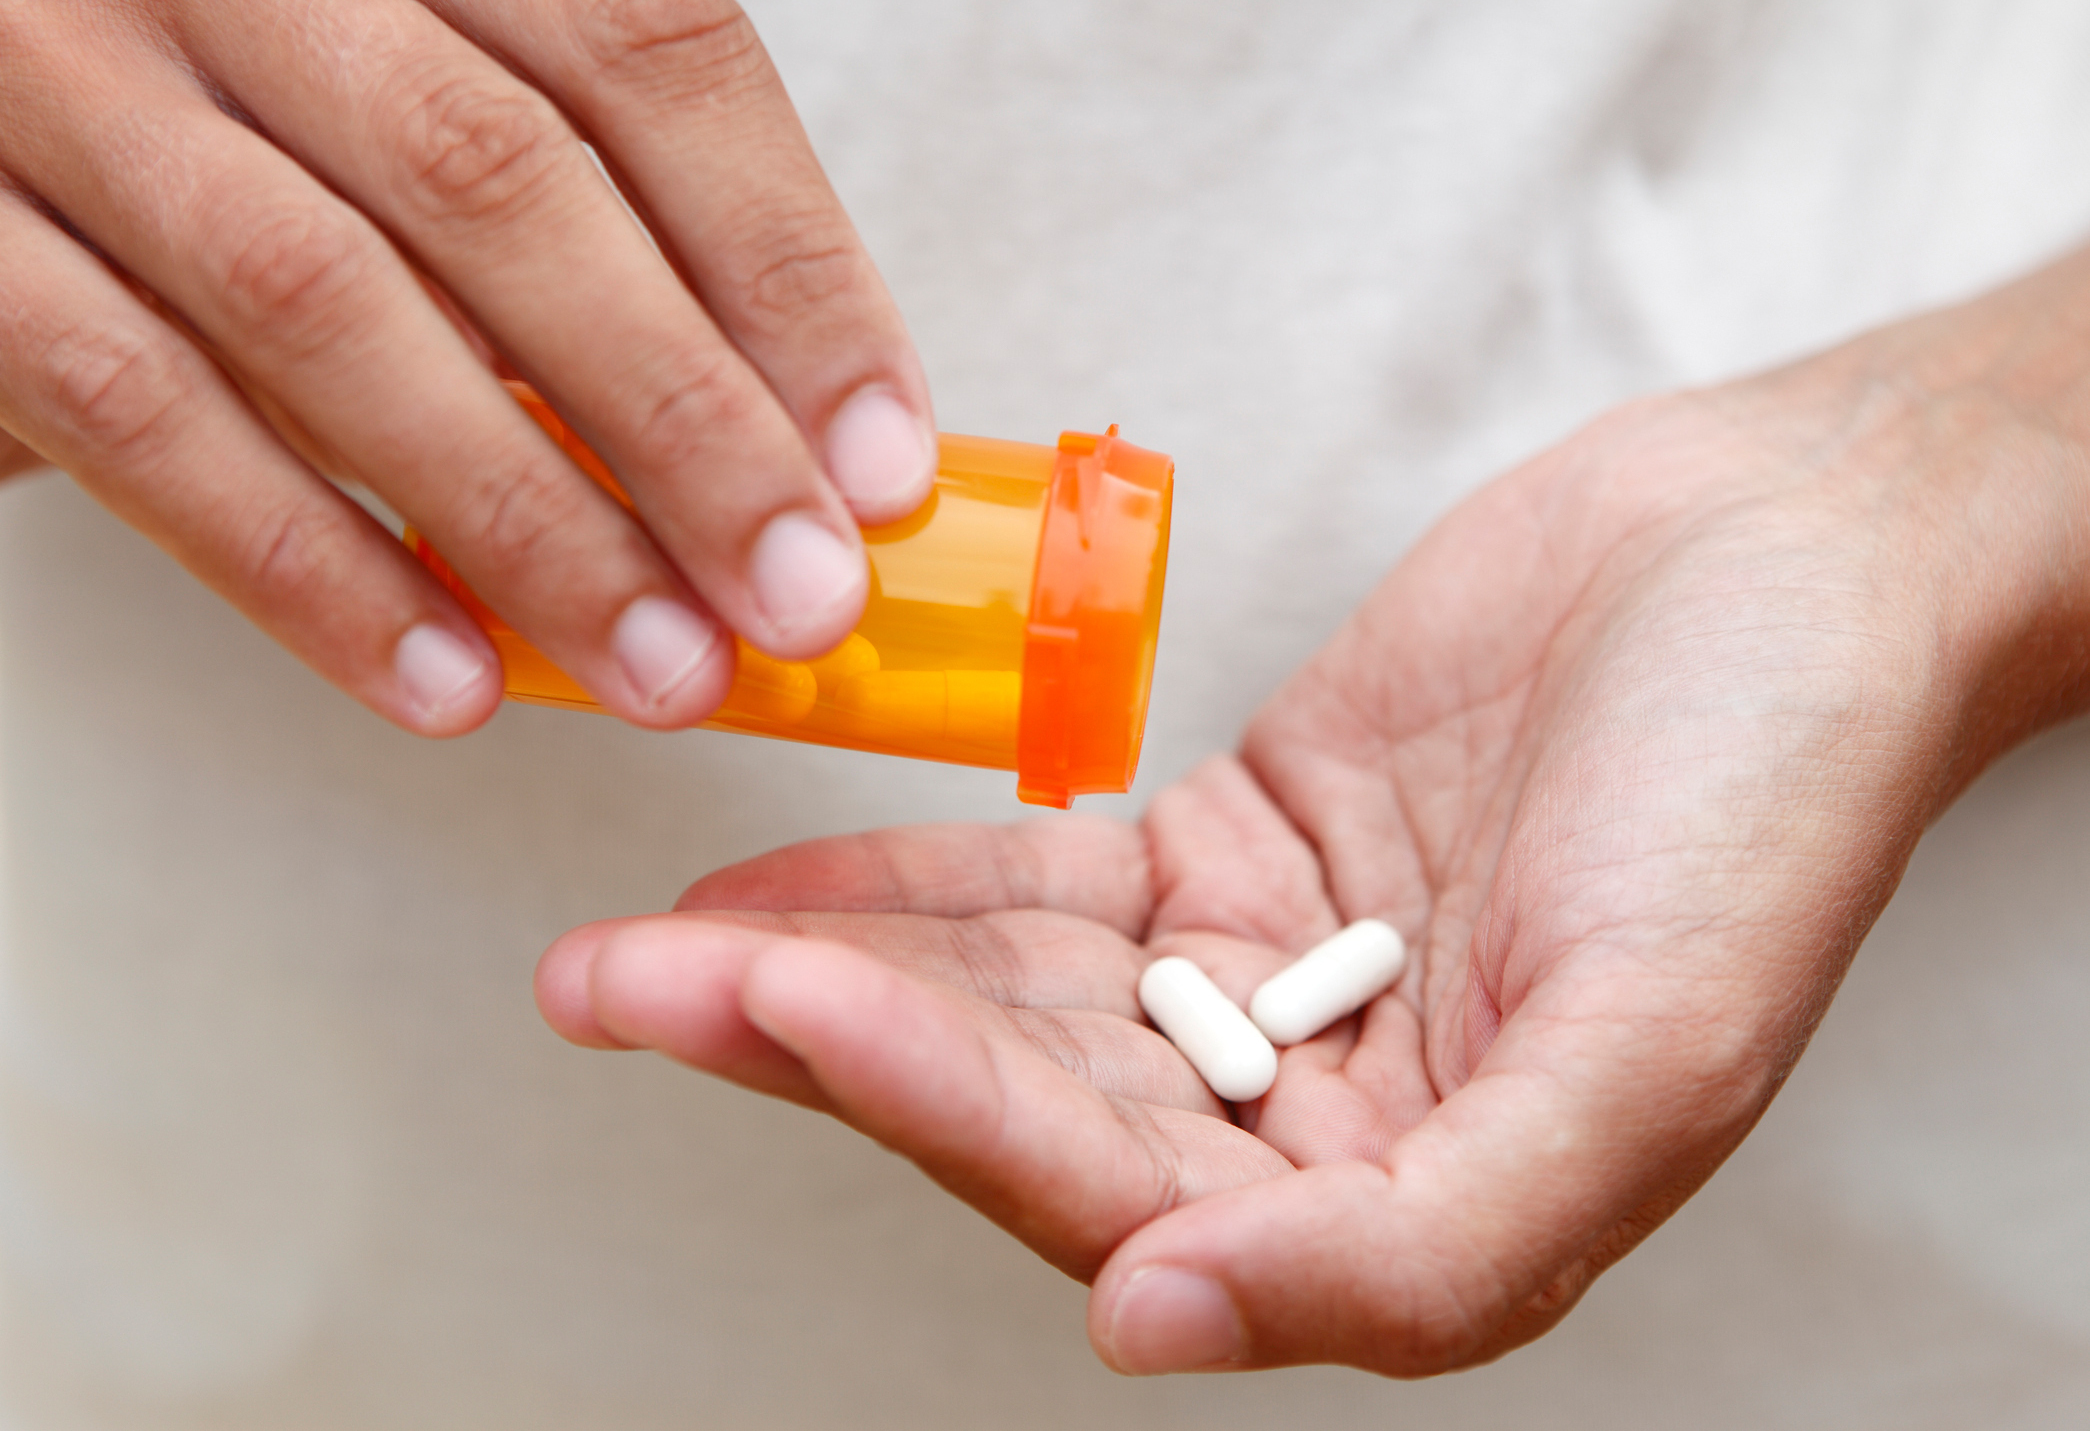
[{"x": 1095, "y": 616}]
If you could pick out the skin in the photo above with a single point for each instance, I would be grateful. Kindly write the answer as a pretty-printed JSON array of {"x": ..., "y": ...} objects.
[
  {"x": 1633, "y": 747},
  {"x": 241, "y": 258}
]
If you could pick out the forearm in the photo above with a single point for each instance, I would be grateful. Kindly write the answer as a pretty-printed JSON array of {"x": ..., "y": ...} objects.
[{"x": 1957, "y": 445}]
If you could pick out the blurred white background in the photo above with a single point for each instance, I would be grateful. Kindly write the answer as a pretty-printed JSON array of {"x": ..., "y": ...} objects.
[{"x": 283, "y": 1142}]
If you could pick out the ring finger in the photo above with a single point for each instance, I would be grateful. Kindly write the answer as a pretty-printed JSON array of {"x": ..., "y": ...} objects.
[
  {"x": 307, "y": 300},
  {"x": 96, "y": 382},
  {"x": 485, "y": 183}
]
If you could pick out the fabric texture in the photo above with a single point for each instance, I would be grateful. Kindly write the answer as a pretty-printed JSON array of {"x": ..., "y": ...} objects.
[{"x": 284, "y": 1143}]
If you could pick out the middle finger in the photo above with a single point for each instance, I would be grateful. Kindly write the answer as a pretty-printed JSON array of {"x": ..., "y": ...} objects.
[
  {"x": 673, "y": 983},
  {"x": 482, "y": 179}
]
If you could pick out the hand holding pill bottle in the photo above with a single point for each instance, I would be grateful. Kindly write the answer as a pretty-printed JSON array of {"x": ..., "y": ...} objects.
[
  {"x": 253, "y": 251},
  {"x": 1011, "y": 622}
]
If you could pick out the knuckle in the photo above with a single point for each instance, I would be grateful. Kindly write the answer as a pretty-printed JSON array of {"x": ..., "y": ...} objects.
[
  {"x": 119, "y": 387},
  {"x": 710, "y": 45},
  {"x": 293, "y": 553},
  {"x": 1436, "y": 1339},
  {"x": 510, "y": 523},
  {"x": 672, "y": 429},
  {"x": 479, "y": 152},
  {"x": 798, "y": 270},
  {"x": 296, "y": 271}
]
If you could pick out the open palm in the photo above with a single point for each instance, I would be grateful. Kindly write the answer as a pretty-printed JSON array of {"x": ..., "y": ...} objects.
[{"x": 1633, "y": 748}]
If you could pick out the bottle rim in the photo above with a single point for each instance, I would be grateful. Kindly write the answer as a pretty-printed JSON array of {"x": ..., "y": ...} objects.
[{"x": 1095, "y": 619}]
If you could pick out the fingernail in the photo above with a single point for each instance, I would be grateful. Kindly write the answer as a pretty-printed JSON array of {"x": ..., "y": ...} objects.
[
  {"x": 1171, "y": 1320},
  {"x": 880, "y": 455},
  {"x": 435, "y": 668},
  {"x": 661, "y": 644},
  {"x": 802, "y": 573}
]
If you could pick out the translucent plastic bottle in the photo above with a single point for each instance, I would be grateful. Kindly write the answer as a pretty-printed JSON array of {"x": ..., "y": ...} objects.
[{"x": 1011, "y": 620}]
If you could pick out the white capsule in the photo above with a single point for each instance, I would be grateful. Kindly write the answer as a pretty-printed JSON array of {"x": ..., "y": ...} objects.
[
  {"x": 1210, "y": 1029},
  {"x": 1333, "y": 979}
]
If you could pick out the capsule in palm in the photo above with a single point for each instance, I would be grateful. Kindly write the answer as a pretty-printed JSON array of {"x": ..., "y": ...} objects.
[
  {"x": 1209, "y": 1029},
  {"x": 1332, "y": 980}
]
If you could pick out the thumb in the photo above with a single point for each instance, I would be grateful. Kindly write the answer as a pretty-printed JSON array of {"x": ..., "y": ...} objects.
[{"x": 1476, "y": 1233}]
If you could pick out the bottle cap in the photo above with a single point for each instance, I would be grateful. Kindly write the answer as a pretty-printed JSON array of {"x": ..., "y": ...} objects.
[{"x": 1095, "y": 612}]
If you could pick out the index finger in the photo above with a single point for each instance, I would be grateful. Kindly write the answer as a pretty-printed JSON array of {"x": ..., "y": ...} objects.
[
  {"x": 1084, "y": 865},
  {"x": 480, "y": 178},
  {"x": 687, "y": 111}
]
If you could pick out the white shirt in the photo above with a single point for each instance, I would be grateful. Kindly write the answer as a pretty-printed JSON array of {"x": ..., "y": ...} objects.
[{"x": 283, "y": 1142}]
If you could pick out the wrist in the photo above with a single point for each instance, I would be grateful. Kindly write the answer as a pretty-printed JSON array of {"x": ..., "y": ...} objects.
[{"x": 1965, "y": 450}]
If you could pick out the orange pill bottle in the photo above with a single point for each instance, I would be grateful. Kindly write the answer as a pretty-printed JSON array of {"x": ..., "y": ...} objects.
[{"x": 1011, "y": 621}]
